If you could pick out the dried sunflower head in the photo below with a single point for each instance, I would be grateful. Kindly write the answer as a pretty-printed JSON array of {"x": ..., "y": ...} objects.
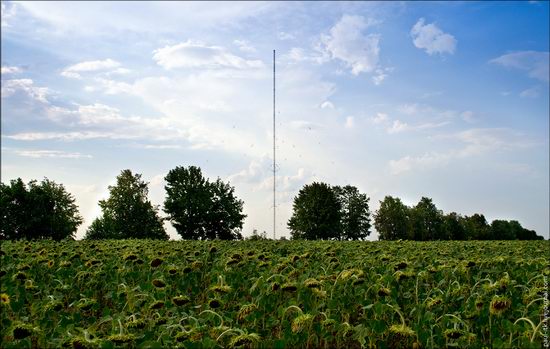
[
  {"x": 499, "y": 305},
  {"x": 181, "y": 300},
  {"x": 245, "y": 340},
  {"x": 301, "y": 322},
  {"x": 246, "y": 310},
  {"x": 4, "y": 299},
  {"x": 158, "y": 283}
]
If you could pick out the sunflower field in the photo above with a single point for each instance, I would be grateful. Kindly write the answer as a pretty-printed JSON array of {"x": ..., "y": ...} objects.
[{"x": 274, "y": 294}]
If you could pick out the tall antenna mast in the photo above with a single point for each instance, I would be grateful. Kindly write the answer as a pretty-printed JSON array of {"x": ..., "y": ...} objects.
[{"x": 274, "y": 220}]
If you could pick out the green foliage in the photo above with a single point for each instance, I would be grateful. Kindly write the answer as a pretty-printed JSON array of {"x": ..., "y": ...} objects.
[
  {"x": 354, "y": 213},
  {"x": 127, "y": 213},
  {"x": 42, "y": 210},
  {"x": 316, "y": 213},
  {"x": 392, "y": 219},
  {"x": 477, "y": 227},
  {"x": 200, "y": 209},
  {"x": 426, "y": 222},
  {"x": 286, "y": 294}
]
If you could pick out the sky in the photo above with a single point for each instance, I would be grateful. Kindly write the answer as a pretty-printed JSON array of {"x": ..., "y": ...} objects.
[{"x": 448, "y": 100}]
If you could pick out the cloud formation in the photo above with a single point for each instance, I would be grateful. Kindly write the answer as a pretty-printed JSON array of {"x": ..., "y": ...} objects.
[
  {"x": 432, "y": 39},
  {"x": 75, "y": 70},
  {"x": 348, "y": 43},
  {"x": 10, "y": 70},
  {"x": 195, "y": 54},
  {"x": 535, "y": 63}
]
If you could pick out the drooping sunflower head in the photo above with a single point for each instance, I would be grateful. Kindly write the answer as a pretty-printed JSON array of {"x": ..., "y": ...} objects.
[
  {"x": 245, "y": 340},
  {"x": 499, "y": 305},
  {"x": 121, "y": 338},
  {"x": 156, "y": 262},
  {"x": 223, "y": 289},
  {"x": 246, "y": 310},
  {"x": 181, "y": 300},
  {"x": 21, "y": 330},
  {"x": 300, "y": 322},
  {"x": 157, "y": 305},
  {"x": 214, "y": 303},
  {"x": 312, "y": 283},
  {"x": 401, "y": 336},
  {"x": 4, "y": 299},
  {"x": 158, "y": 283},
  {"x": 289, "y": 287}
]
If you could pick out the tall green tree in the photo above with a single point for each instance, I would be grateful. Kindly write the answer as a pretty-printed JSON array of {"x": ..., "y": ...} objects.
[
  {"x": 392, "y": 219},
  {"x": 454, "y": 226},
  {"x": 427, "y": 221},
  {"x": 42, "y": 210},
  {"x": 477, "y": 227},
  {"x": 316, "y": 213},
  {"x": 354, "y": 212},
  {"x": 127, "y": 213},
  {"x": 200, "y": 209}
]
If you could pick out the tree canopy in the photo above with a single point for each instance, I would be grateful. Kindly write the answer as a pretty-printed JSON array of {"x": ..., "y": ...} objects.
[
  {"x": 42, "y": 210},
  {"x": 127, "y": 213},
  {"x": 392, "y": 219},
  {"x": 425, "y": 222},
  {"x": 316, "y": 213},
  {"x": 200, "y": 209},
  {"x": 354, "y": 213}
]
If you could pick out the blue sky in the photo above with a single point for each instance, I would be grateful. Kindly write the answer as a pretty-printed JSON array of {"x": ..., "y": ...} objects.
[{"x": 441, "y": 99}]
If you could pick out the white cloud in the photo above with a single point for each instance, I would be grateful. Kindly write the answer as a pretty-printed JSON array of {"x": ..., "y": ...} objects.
[
  {"x": 432, "y": 39},
  {"x": 10, "y": 87},
  {"x": 380, "y": 75},
  {"x": 8, "y": 12},
  {"x": 305, "y": 125},
  {"x": 51, "y": 154},
  {"x": 347, "y": 43},
  {"x": 327, "y": 105},
  {"x": 474, "y": 142},
  {"x": 532, "y": 92},
  {"x": 74, "y": 70},
  {"x": 534, "y": 62},
  {"x": 256, "y": 171},
  {"x": 10, "y": 70},
  {"x": 91, "y": 18},
  {"x": 245, "y": 46},
  {"x": 482, "y": 140},
  {"x": 428, "y": 160},
  {"x": 468, "y": 116},
  {"x": 397, "y": 127},
  {"x": 194, "y": 54},
  {"x": 350, "y": 122},
  {"x": 285, "y": 36},
  {"x": 380, "y": 118},
  {"x": 64, "y": 136},
  {"x": 409, "y": 109}
]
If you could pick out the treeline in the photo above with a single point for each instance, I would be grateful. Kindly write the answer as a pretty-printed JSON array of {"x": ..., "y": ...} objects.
[
  {"x": 423, "y": 222},
  {"x": 200, "y": 209},
  {"x": 321, "y": 211}
]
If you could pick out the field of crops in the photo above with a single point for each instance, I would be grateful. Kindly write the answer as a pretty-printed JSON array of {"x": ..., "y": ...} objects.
[{"x": 268, "y": 294}]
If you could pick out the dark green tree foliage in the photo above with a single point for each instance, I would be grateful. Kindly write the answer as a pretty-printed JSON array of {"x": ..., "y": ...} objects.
[
  {"x": 454, "y": 226},
  {"x": 200, "y": 209},
  {"x": 127, "y": 213},
  {"x": 354, "y": 212},
  {"x": 316, "y": 213},
  {"x": 511, "y": 230},
  {"x": 392, "y": 219},
  {"x": 42, "y": 210},
  {"x": 477, "y": 227},
  {"x": 427, "y": 222}
]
